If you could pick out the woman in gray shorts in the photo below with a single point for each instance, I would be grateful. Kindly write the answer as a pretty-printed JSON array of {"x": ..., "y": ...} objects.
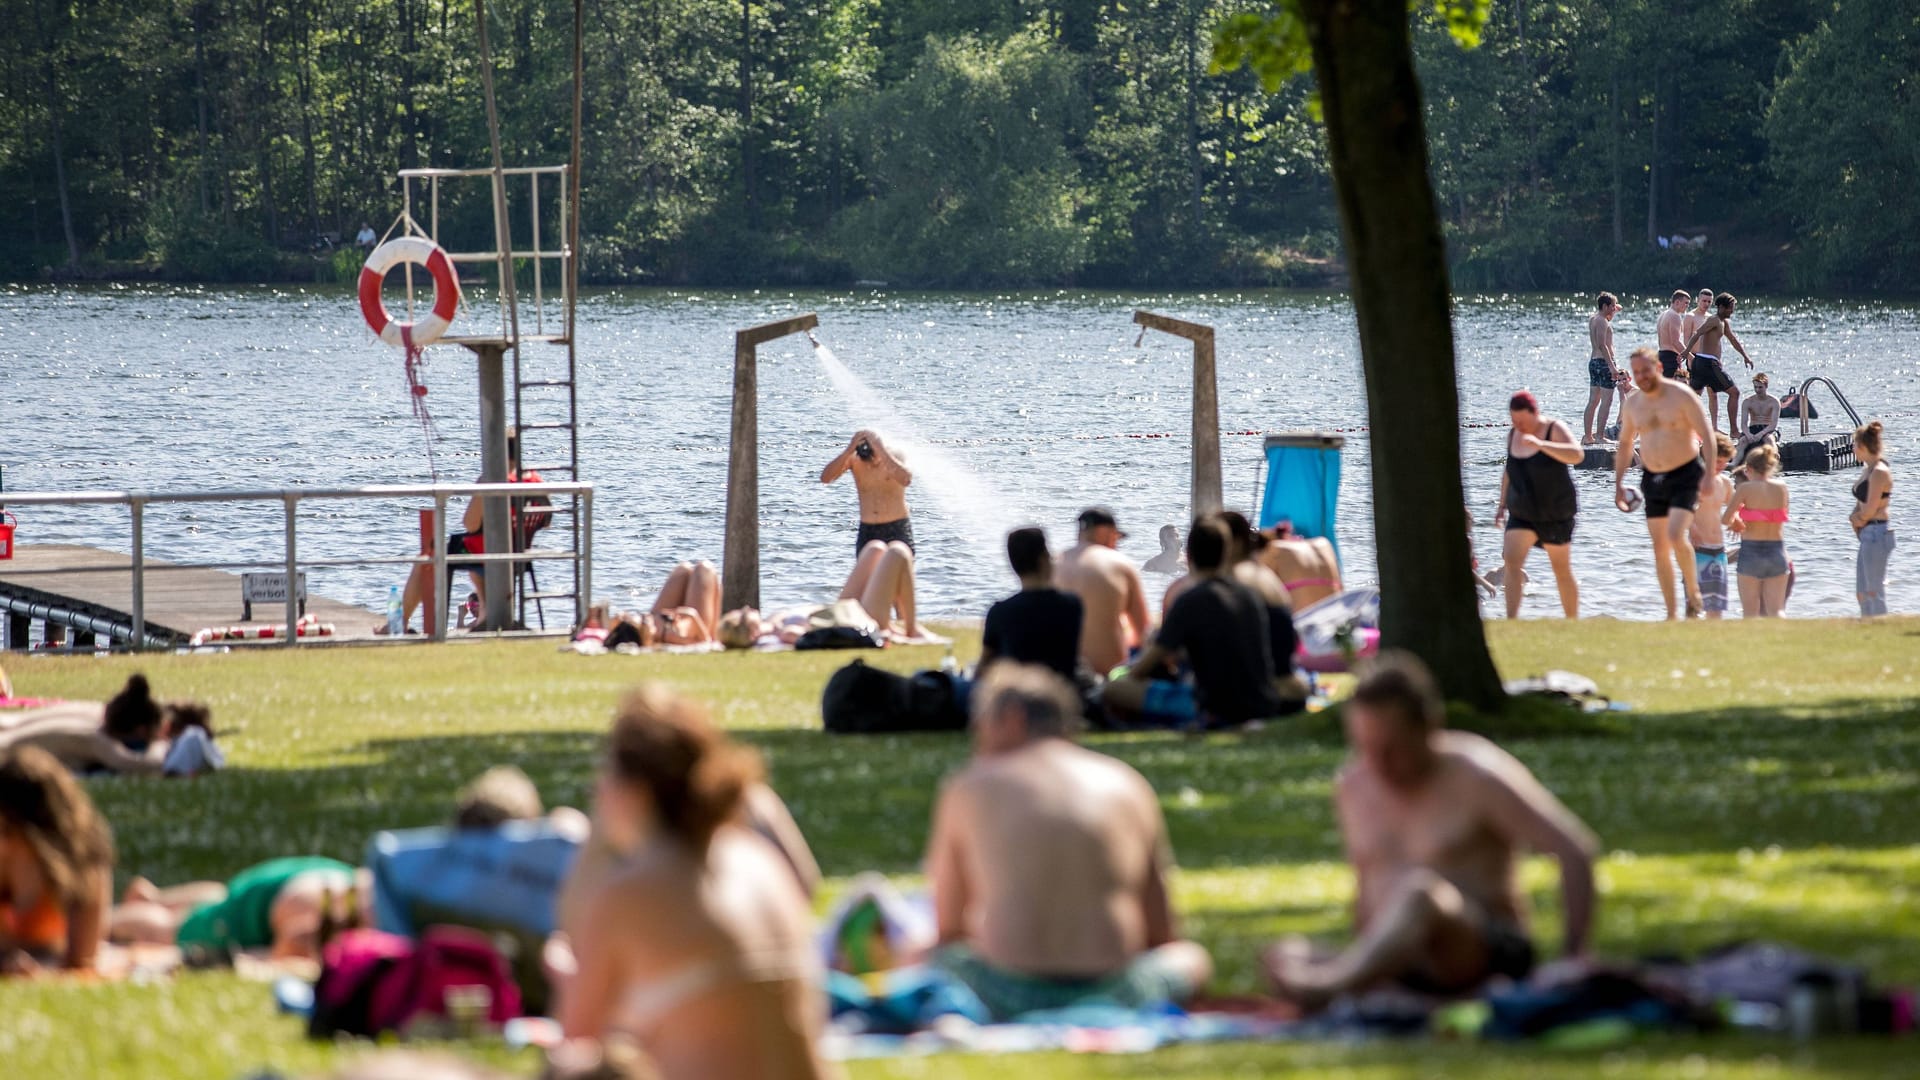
[{"x": 1758, "y": 512}]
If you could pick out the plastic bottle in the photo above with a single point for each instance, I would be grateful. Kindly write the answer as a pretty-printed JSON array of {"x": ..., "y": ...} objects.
[
  {"x": 396, "y": 612},
  {"x": 948, "y": 664}
]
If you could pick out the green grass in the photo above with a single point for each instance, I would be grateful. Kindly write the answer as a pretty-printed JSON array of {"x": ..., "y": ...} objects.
[{"x": 1765, "y": 784}]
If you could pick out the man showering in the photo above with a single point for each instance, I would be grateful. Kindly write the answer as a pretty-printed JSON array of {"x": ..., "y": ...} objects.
[{"x": 881, "y": 481}]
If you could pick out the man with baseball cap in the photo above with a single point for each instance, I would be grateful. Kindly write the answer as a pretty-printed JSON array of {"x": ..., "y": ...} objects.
[{"x": 1108, "y": 585}]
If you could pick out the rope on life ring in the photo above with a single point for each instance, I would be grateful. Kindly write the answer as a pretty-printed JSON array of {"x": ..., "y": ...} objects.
[{"x": 419, "y": 251}]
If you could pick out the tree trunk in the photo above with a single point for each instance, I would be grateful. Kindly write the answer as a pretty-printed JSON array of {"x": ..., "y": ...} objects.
[
  {"x": 307, "y": 155},
  {"x": 1396, "y": 257},
  {"x": 409, "y": 135},
  {"x": 746, "y": 112},
  {"x": 1187, "y": 47},
  {"x": 1619, "y": 208},
  {"x": 57, "y": 137},
  {"x": 1653, "y": 168},
  {"x": 200, "y": 101}
]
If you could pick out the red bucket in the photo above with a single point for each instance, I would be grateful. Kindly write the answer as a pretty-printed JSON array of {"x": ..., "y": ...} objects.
[{"x": 7, "y": 524}]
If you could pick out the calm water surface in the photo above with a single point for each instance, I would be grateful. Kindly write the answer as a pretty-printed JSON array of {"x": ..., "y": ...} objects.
[{"x": 1022, "y": 405}]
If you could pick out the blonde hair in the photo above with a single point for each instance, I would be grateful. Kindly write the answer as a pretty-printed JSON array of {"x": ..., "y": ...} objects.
[
  {"x": 1723, "y": 445},
  {"x": 1763, "y": 459}
]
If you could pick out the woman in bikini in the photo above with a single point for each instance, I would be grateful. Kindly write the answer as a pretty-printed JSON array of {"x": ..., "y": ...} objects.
[
  {"x": 1871, "y": 494},
  {"x": 1758, "y": 512},
  {"x": 56, "y": 867},
  {"x": 1309, "y": 568},
  {"x": 699, "y": 945}
]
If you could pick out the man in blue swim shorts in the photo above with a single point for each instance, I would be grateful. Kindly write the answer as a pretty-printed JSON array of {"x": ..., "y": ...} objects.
[{"x": 1603, "y": 375}]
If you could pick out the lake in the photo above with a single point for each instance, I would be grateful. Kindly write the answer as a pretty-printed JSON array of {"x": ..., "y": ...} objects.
[{"x": 1033, "y": 401}]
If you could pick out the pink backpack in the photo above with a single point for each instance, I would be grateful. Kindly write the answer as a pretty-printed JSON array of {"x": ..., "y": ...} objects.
[{"x": 373, "y": 982}]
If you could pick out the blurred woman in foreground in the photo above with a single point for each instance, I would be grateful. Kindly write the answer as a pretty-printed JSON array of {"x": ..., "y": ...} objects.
[
  {"x": 56, "y": 867},
  {"x": 698, "y": 943}
]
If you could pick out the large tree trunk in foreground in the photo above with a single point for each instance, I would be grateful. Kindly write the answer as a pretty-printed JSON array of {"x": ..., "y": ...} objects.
[{"x": 1377, "y": 144}]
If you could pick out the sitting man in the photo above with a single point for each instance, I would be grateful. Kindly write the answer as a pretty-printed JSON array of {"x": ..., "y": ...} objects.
[
  {"x": 1109, "y": 587},
  {"x": 1435, "y": 822},
  {"x": 1222, "y": 629},
  {"x": 1039, "y": 624},
  {"x": 1048, "y": 864}
]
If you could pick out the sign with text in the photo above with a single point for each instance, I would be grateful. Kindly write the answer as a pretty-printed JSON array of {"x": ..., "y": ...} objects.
[{"x": 268, "y": 587}]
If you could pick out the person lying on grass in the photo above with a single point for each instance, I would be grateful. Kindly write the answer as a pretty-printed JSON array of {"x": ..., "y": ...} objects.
[
  {"x": 881, "y": 585},
  {"x": 131, "y": 735},
  {"x": 698, "y": 944},
  {"x": 1435, "y": 822},
  {"x": 1048, "y": 864},
  {"x": 56, "y": 867},
  {"x": 687, "y": 612},
  {"x": 276, "y": 908}
]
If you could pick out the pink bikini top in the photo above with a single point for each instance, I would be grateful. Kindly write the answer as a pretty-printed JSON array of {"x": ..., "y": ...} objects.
[{"x": 1777, "y": 515}]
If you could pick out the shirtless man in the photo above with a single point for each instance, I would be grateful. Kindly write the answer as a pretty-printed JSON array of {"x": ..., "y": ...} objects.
[
  {"x": 1759, "y": 419},
  {"x": 1109, "y": 588},
  {"x": 1708, "y": 373},
  {"x": 1671, "y": 330},
  {"x": 881, "y": 481},
  {"x": 1434, "y": 823},
  {"x": 1708, "y": 537},
  {"x": 1702, "y": 311},
  {"x": 1048, "y": 863},
  {"x": 1672, "y": 426},
  {"x": 1603, "y": 375}
]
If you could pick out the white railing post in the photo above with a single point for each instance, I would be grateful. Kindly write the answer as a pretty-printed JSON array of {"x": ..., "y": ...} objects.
[
  {"x": 441, "y": 585},
  {"x": 291, "y": 499},
  {"x": 139, "y": 507},
  {"x": 583, "y": 557}
]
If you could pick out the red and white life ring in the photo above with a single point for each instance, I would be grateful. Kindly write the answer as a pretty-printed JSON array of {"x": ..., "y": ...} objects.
[{"x": 446, "y": 290}]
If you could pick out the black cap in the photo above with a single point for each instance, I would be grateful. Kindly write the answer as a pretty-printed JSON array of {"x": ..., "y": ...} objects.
[{"x": 1094, "y": 517}]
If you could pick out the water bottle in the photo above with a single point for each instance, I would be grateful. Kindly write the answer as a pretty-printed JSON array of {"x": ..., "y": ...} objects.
[
  {"x": 949, "y": 665},
  {"x": 396, "y": 612}
]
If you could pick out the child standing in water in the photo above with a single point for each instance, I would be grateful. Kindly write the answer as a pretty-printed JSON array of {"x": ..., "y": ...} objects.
[{"x": 1709, "y": 536}]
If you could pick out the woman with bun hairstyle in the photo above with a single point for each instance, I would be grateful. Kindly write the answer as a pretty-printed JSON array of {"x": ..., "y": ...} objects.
[
  {"x": 697, "y": 944},
  {"x": 56, "y": 867},
  {"x": 1871, "y": 494},
  {"x": 131, "y": 735}
]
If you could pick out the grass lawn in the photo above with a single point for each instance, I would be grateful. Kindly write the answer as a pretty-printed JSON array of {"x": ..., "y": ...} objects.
[{"x": 1765, "y": 785}]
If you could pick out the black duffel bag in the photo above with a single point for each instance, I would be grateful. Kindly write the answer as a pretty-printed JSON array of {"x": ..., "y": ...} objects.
[{"x": 860, "y": 700}]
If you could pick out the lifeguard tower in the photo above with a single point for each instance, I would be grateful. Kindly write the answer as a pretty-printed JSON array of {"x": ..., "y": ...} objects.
[{"x": 521, "y": 335}]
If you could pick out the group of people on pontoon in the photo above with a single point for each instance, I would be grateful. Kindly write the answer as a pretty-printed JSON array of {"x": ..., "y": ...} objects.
[{"x": 1697, "y": 484}]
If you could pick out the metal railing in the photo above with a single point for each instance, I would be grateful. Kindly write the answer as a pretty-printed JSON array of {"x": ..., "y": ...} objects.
[
  {"x": 291, "y": 498},
  {"x": 1806, "y": 412}
]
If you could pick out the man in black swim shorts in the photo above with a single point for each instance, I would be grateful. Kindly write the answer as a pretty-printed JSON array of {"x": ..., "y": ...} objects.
[
  {"x": 1670, "y": 426},
  {"x": 1708, "y": 373},
  {"x": 881, "y": 478}
]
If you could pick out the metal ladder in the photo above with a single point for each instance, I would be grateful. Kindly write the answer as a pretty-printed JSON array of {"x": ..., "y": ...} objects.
[{"x": 535, "y": 417}]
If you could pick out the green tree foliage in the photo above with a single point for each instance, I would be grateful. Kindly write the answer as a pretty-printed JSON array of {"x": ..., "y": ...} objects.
[
  {"x": 968, "y": 164},
  {"x": 1845, "y": 143},
  {"x": 230, "y": 138}
]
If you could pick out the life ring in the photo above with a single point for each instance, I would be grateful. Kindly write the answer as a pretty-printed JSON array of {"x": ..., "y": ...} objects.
[{"x": 446, "y": 290}]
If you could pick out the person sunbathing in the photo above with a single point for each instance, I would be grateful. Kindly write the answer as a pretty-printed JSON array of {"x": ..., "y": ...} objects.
[
  {"x": 699, "y": 943},
  {"x": 56, "y": 867},
  {"x": 1048, "y": 864},
  {"x": 882, "y": 585},
  {"x": 1309, "y": 568},
  {"x": 1435, "y": 822},
  {"x": 130, "y": 735},
  {"x": 276, "y": 907}
]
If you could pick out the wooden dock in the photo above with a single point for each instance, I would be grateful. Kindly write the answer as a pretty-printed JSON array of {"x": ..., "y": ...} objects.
[{"x": 88, "y": 593}]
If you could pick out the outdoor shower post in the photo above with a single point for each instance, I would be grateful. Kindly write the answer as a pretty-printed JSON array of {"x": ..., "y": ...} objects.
[
  {"x": 740, "y": 569},
  {"x": 1204, "y": 487},
  {"x": 497, "y": 518}
]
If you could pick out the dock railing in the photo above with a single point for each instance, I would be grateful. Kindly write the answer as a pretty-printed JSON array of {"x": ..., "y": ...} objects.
[{"x": 291, "y": 563}]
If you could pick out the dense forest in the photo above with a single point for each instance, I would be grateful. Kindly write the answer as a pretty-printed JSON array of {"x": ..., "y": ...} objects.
[{"x": 971, "y": 143}]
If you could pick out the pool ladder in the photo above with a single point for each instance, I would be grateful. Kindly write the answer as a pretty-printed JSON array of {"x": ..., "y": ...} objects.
[{"x": 1812, "y": 453}]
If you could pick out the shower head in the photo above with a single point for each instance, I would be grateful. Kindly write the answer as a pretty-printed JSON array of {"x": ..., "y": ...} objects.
[{"x": 815, "y": 340}]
